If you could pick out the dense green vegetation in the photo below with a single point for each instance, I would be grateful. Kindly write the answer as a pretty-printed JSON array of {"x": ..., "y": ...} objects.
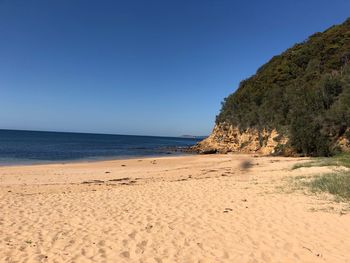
[{"x": 304, "y": 93}]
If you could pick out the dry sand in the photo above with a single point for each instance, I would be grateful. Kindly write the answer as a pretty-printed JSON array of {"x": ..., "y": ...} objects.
[{"x": 173, "y": 209}]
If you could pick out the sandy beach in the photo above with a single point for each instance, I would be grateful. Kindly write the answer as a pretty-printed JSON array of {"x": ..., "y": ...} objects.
[{"x": 211, "y": 208}]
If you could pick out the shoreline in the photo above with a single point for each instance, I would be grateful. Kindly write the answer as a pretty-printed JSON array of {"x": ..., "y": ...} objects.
[
  {"x": 94, "y": 160},
  {"x": 198, "y": 208},
  {"x": 35, "y": 147}
]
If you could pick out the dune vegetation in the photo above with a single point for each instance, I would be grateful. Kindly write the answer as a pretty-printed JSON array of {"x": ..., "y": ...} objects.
[{"x": 336, "y": 183}]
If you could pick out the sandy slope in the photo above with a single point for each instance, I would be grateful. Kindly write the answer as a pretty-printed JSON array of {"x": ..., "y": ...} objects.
[{"x": 176, "y": 209}]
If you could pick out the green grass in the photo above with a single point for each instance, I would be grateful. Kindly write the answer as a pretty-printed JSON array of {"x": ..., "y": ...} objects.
[
  {"x": 342, "y": 159},
  {"x": 337, "y": 184}
]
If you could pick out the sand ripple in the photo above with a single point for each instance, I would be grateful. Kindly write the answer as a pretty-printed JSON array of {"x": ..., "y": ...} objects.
[{"x": 183, "y": 209}]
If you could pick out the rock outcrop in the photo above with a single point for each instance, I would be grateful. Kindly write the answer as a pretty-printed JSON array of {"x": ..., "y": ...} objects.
[
  {"x": 343, "y": 142},
  {"x": 227, "y": 138}
]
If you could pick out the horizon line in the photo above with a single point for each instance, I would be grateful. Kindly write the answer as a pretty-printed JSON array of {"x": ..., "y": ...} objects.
[{"x": 111, "y": 134}]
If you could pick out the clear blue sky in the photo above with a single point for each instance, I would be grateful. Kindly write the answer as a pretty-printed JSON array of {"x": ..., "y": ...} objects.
[{"x": 140, "y": 67}]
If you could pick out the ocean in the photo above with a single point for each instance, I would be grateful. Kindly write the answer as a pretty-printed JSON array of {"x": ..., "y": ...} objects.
[{"x": 31, "y": 147}]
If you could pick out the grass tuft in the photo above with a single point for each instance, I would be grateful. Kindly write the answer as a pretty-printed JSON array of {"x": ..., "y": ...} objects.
[{"x": 337, "y": 184}]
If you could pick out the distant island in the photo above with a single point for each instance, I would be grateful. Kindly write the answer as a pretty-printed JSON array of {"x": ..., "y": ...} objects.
[
  {"x": 296, "y": 104},
  {"x": 194, "y": 136}
]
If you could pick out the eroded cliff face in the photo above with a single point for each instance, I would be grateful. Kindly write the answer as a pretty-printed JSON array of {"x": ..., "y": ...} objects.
[
  {"x": 227, "y": 138},
  {"x": 343, "y": 142}
]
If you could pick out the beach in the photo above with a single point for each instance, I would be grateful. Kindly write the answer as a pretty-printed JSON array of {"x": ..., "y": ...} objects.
[{"x": 200, "y": 208}]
